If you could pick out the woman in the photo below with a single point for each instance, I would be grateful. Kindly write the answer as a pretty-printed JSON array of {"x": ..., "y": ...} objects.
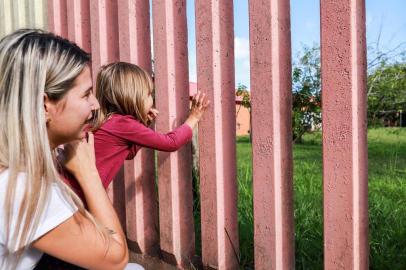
[{"x": 46, "y": 100}]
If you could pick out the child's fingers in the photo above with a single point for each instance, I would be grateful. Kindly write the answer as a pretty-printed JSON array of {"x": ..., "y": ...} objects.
[
  {"x": 206, "y": 104},
  {"x": 202, "y": 101},
  {"x": 194, "y": 100},
  {"x": 155, "y": 112},
  {"x": 197, "y": 98}
]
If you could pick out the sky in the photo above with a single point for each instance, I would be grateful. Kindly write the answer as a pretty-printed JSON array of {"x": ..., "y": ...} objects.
[{"x": 387, "y": 17}]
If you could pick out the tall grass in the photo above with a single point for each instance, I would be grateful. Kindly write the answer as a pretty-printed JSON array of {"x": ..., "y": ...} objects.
[{"x": 387, "y": 201}]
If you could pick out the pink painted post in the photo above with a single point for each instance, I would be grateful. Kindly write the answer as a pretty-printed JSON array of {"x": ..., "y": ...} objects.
[
  {"x": 141, "y": 207},
  {"x": 57, "y": 17},
  {"x": 218, "y": 188},
  {"x": 78, "y": 14},
  {"x": 105, "y": 49},
  {"x": 271, "y": 102},
  {"x": 104, "y": 33},
  {"x": 343, "y": 65},
  {"x": 172, "y": 100}
]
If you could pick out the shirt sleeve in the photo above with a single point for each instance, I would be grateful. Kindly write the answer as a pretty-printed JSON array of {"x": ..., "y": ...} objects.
[
  {"x": 57, "y": 209},
  {"x": 56, "y": 212},
  {"x": 131, "y": 130}
]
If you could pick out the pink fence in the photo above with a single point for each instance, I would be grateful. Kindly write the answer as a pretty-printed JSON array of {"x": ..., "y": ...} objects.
[{"x": 120, "y": 30}]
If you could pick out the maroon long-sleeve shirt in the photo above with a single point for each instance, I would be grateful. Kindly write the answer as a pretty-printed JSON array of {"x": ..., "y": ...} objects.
[{"x": 121, "y": 137}]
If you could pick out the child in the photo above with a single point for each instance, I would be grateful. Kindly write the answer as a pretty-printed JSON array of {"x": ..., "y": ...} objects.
[{"x": 124, "y": 92}]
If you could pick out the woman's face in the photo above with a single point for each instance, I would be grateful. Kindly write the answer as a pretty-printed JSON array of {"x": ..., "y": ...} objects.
[{"x": 68, "y": 119}]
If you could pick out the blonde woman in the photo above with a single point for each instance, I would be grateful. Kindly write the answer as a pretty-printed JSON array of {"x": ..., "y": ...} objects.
[{"x": 46, "y": 100}]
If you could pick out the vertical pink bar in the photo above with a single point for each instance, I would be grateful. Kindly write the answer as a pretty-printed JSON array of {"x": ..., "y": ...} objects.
[
  {"x": 116, "y": 193},
  {"x": 78, "y": 14},
  {"x": 345, "y": 176},
  {"x": 57, "y": 17},
  {"x": 141, "y": 207},
  {"x": 105, "y": 49},
  {"x": 104, "y": 33},
  {"x": 172, "y": 100},
  {"x": 271, "y": 102},
  {"x": 218, "y": 189}
]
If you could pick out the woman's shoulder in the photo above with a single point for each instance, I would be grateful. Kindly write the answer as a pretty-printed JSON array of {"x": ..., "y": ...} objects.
[{"x": 5, "y": 178}]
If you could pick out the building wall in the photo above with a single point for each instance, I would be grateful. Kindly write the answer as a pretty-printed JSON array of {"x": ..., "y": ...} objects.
[{"x": 243, "y": 120}]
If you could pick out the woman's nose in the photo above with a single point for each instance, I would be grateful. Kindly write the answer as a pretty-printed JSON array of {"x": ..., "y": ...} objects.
[{"x": 95, "y": 103}]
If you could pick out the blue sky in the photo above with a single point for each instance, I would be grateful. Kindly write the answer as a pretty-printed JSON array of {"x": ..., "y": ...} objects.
[{"x": 388, "y": 15}]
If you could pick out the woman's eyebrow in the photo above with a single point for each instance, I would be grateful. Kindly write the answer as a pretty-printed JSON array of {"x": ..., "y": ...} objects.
[{"x": 90, "y": 89}]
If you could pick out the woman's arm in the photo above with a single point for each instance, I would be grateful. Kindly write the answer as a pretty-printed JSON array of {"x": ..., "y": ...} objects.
[{"x": 78, "y": 240}]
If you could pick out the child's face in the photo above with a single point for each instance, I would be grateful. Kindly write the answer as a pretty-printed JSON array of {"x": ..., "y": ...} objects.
[
  {"x": 149, "y": 103},
  {"x": 68, "y": 118}
]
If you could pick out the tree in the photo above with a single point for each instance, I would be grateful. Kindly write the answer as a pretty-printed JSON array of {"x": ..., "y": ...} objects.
[
  {"x": 306, "y": 111},
  {"x": 386, "y": 90},
  {"x": 386, "y": 82}
]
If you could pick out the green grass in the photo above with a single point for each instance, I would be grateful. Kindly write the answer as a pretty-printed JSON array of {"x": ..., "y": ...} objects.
[{"x": 387, "y": 200}]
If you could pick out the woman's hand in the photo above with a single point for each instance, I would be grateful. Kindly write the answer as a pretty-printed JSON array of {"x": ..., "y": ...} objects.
[{"x": 79, "y": 157}]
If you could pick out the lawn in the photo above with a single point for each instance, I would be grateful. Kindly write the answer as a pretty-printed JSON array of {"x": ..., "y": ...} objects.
[{"x": 387, "y": 200}]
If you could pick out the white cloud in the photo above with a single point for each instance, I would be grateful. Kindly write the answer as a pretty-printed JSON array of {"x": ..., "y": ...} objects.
[
  {"x": 241, "y": 48},
  {"x": 369, "y": 19},
  {"x": 310, "y": 25}
]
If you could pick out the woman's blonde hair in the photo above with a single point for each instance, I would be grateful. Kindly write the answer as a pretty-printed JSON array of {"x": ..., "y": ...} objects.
[
  {"x": 32, "y": 63},
  {"x": 122, "y": 88}
]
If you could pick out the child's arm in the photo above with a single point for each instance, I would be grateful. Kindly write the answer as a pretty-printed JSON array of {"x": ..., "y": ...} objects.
[
  {"x": 199, "y": 105},
  {"x": 130, "y": 130}
]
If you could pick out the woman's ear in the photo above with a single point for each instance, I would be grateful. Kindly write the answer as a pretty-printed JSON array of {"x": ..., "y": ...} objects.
[{"x": 47, "y": 108}]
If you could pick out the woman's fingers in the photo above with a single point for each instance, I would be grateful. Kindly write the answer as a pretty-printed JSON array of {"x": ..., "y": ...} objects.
[{"x": 90, "y": 139}]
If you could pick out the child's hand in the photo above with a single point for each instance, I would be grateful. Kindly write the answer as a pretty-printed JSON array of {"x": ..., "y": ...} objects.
[
  {"x": 79, "y": 157},
  {"x": 152, "y": 114},
  {"x": 199, "y": 105}
]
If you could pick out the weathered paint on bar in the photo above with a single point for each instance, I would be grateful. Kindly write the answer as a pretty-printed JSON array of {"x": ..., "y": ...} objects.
[
  {"x": 6, "y": 25},
  {"x": 218, "y": 189},
  {"x": 141, "y": 207},
  {"x": 343, "y": 65},
  {"x": 116, "y": 193},
  {"x": 20, "y": 8},
  {"x": 271, "y": 105},
  {"x": 57, "y": 17},
  {"x": 105, "y": 49},
  {"x": 78, "y": 13},
  {"x": 104, "y": 33},
  {"x": 172, "y": 101}
]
